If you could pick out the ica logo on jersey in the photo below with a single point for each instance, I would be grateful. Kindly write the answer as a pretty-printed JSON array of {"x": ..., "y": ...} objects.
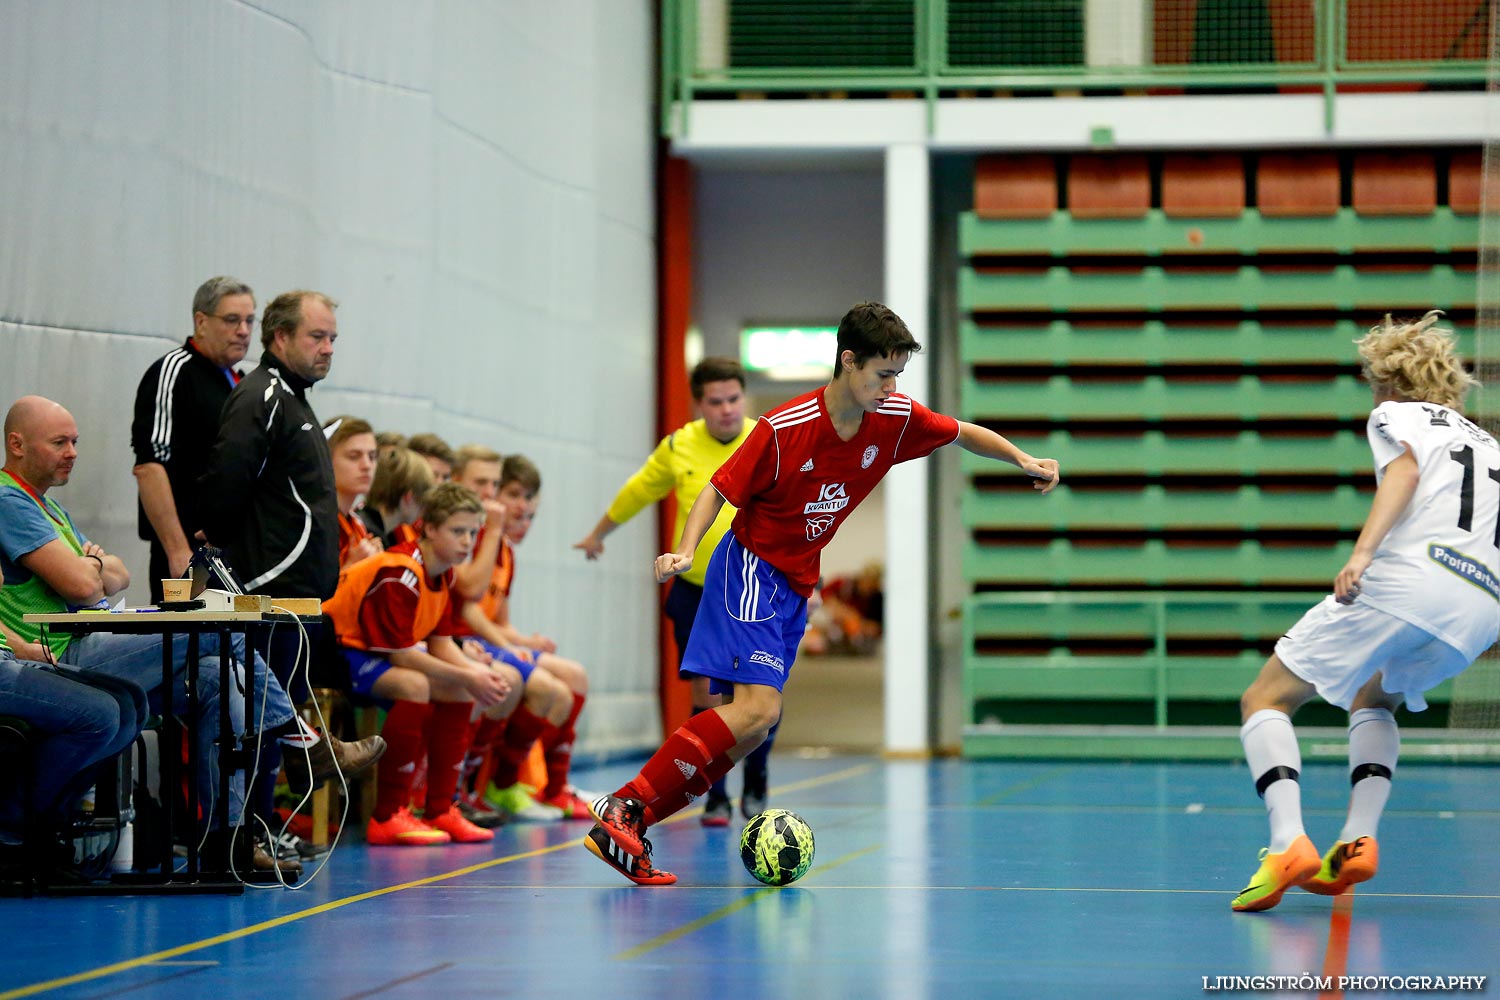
[{"x": 831, "y": 497}]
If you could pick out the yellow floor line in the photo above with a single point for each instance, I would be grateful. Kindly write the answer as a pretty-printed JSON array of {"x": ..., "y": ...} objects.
[
  {"x": 709, "y": 918},
  {"x": 1024, "y": 786},
  {"x": 243, "y": 932}
]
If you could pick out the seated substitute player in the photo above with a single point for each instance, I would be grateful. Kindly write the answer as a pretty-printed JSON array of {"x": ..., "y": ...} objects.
[
  {"x": 805, "y": 466},
  {"x": 439, "y": 458},
  {"x": 402, "y": 479},
  {"x": 555, "y": 687},
  {"x": 384, "y": 611},
  {"x": 439, "y": 454},
  {"x": 520, "y": 484},
  {"x": 352, "y": 447},
  {"x": 1414, "y": 605},
  {"x": 681, "y": 463}
]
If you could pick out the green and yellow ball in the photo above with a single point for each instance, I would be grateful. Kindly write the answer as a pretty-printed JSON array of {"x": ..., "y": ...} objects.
[{"x": 777, "y": 847}]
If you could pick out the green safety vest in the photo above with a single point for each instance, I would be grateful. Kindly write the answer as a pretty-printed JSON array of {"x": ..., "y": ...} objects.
[{"x": 34, "y": 596}]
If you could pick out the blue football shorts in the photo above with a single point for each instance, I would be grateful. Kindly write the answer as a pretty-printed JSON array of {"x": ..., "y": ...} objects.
[
  {"x": 523, "y": 664},
  {"x": 749, "y": 622}
]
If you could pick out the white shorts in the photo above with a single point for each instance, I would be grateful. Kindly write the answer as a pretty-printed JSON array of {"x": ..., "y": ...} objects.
[{"x": 1337, "y": 648}]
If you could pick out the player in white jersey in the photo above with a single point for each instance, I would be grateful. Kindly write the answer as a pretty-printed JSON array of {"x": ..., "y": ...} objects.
[{"x": 1418, "y": 601}]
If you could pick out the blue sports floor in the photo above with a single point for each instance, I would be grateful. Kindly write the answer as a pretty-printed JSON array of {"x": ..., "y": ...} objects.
[{"x": 943, "y": 879}]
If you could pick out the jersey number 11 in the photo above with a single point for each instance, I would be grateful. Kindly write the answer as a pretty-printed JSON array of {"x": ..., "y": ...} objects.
[{"x": 1465, "y": 456}]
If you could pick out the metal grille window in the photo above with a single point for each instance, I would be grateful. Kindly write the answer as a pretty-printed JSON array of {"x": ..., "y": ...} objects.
[
  {"x": 1391, "y": 31},
  {"x": 1012, "y": 33},
  {"x": 822, "y": 34}
]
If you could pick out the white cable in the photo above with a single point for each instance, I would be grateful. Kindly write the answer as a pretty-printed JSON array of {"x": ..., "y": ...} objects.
[
  {"x": 303, "y": 658},
  {"x": 260, "y": 725}
]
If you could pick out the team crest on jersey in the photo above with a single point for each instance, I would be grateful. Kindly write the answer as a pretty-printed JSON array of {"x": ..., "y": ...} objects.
[
  {"x": 817, "y": 525},
  {"x": 870, "y": 453},
  {"x": 1437, "y": 415},
  {"x": 831, "y": 497}
]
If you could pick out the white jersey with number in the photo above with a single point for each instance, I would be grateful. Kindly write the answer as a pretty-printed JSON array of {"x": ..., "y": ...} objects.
[{"x": 1439, "y": 566}]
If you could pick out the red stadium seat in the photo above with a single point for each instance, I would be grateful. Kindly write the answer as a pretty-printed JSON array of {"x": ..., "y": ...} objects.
[
  {"x": 1466, "y": 182},
  {"x": 1015, "y": 187},
  {"x": 1203, "y": 185},
  {"x": 1288, "y": 184},
  {"x": 1109, "y": 186},
  {"x": 1402, "y": 183}
]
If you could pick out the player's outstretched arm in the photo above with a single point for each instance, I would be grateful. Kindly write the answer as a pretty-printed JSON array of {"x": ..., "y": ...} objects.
[
  {"x": 593, "y": 543},
  {"x": 1397, "y": 486},
  {"x": 985, "y": 442},
  {"x": 653, "y": 481},
  {"x": 700, "y": 517}
]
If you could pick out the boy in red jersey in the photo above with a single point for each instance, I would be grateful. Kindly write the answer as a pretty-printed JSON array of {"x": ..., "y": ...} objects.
[
  {"x": 804, "y": 467},
  {"x": 352, "y": 447},
  {"x": 546, "y": 702},
  {"x": 559, "y": 682},
  {"x": 386, "y": 608},
  {"x": 402, "y": 478}
]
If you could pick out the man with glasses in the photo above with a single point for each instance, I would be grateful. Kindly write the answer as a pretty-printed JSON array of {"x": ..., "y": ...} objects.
[
  {"x": 176, "y": 421},
  {"x": 267, "y": 498}
]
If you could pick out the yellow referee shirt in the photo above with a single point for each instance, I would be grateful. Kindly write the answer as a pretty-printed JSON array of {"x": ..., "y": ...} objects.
[{"x": 682, "y": 463}]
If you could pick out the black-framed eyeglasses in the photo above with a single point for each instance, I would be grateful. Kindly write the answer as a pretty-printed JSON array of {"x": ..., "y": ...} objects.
[{"x": 233, "y": 320}]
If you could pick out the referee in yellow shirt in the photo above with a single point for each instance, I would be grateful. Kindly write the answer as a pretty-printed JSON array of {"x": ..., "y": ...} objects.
[{"x": 683, "y": 463}]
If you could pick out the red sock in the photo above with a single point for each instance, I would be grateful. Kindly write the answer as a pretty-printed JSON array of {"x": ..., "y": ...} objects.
[
  {"x": 521, "y": 730},
  {"x": 557, "y": 750},
  {"x": 691, "y": 760},
  {"x": 487, "y": 733},
  {"x": 448, "y": 738},
  {"x": 405, "y": 733}
]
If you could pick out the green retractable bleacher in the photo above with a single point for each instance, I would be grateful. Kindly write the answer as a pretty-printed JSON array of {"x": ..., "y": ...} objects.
[{"x": 1177, "y": 331}]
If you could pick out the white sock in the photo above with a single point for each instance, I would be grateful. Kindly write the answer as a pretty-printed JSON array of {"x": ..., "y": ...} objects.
[
  {"x": 305, "y": 738},
  {"x": 1374, "y": 745},
  {"x": 1270, "y": 743}
]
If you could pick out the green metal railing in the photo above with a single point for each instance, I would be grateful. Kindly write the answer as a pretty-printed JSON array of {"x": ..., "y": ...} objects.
[
  {"x": 1157, "y": 616},
  {"x": 1155, "y": 675},
  {"x": 939, "y": 48}
]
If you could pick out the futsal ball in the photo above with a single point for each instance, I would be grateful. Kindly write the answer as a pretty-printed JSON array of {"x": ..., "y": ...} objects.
[{"x": 777, "y": 847}]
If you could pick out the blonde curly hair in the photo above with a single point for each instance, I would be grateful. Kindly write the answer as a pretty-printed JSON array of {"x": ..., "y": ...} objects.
[{"x": 1418, "y": 360}]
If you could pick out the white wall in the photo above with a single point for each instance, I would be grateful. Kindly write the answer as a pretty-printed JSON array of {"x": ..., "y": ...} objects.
[{"x": 472, "y": 180}]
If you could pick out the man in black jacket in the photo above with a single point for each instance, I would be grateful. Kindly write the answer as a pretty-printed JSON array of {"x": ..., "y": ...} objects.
[
  {"x": 176, "y": 421},
  {"x": 267, "y": 498}
]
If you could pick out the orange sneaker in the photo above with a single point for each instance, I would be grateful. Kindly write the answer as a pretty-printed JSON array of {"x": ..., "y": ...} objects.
[
  {"x": 1277, "y": 874},
  {"x": 638, "y": 868},
  {"x": 461, "y": 830},
  {"x": 402, "y": 830},
  {"x": 1345, "y": 865},
  {"x": 623, "y": 820},
  {"x": 568, "y": 801}
]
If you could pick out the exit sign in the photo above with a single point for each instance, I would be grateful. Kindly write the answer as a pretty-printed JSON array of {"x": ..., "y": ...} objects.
[{"x": 790, "y": 353}]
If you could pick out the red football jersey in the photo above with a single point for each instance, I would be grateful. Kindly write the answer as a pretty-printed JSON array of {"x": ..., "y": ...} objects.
[
  {"x": 794, "y": 481},
  {"x": 398, "y": 598}
]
